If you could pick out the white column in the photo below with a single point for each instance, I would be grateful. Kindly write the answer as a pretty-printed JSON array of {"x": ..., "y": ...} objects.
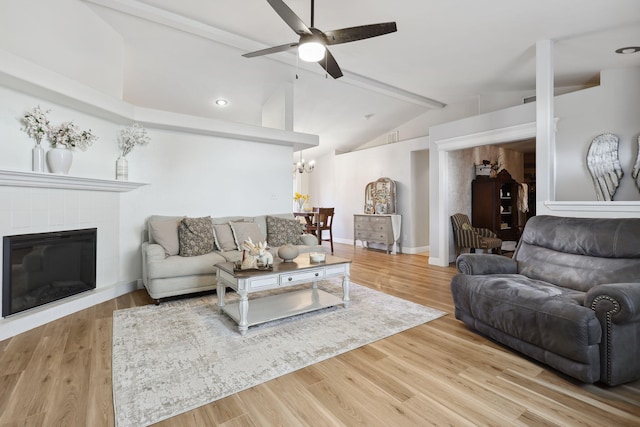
[{"x": 545, "y": 127}]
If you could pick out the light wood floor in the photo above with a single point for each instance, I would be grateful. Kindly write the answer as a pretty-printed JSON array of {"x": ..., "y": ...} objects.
[{"x": 439, "y": 373}]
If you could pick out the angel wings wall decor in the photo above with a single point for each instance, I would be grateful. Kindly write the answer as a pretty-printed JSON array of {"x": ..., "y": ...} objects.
[
  {"x": 604, "y": 165},
  {"x": 636, "y": 168}
]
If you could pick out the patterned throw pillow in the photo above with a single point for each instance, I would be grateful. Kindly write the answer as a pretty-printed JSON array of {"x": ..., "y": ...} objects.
[
  {"x": 281, "y": 231},
  {"x": 195, "y": 236}
]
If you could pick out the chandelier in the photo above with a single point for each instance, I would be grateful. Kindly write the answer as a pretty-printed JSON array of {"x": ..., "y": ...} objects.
[{"x": 302, "y": 167}]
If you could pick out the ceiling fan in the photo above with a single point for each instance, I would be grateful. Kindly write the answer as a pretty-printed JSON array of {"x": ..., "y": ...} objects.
[{"x": 312, "y": 45}]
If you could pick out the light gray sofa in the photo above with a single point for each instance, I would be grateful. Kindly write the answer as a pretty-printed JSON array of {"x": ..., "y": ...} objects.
[
  {"x": 165, "y": 273},
  {"x": 570, "y": 297}
]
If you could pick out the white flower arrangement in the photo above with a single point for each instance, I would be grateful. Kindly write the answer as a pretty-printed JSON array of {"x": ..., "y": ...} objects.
[
  {"x": 132, "y": 136},
  {"x": 68, "y": 135},
  {"x": 36, "y": 124}
]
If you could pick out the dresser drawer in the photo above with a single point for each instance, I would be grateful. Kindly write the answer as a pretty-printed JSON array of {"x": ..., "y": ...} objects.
[
  {"x": 372, "y": 235},
  {"x": 364, "y": 226},
  {"x": 303, "y": 276},
  {"x": 381, "y": 221}
]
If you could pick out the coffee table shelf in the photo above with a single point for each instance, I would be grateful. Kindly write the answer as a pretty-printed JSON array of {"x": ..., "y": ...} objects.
[{"x": 288, "y": 304}]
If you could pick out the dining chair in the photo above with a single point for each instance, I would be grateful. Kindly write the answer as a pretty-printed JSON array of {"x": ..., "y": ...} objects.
[{"x": 322, "y": 220}]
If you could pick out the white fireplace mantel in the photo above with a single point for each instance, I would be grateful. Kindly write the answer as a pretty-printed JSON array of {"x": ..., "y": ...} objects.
[{"x": 48, "y": 180}]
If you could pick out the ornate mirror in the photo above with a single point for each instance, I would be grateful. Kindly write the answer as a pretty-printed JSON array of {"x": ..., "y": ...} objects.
[{"x": 380, "y": 197}]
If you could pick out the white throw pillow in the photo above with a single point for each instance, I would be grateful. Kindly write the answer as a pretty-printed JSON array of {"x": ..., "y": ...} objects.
[
  {"x": 245, "y": 230},
  {"x": 165, "y": 233}
]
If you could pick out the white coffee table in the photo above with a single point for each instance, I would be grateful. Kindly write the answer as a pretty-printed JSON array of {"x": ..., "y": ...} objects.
[{"x": 283, "y": 275}]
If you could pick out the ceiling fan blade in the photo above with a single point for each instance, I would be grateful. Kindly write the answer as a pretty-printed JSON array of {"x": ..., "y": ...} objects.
[
  {"x": 346, "y": 35},
  {"x": 289, "y": 17},
  {"x": 330, "y": 65},
  {"x": 270, "y": 50}
]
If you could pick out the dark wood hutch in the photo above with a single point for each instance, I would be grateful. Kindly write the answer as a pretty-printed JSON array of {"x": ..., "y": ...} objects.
[{"x": 494, "y": 205}]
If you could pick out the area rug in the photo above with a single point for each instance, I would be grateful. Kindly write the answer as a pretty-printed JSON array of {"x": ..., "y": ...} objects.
[{"x": 180, "y": 355}]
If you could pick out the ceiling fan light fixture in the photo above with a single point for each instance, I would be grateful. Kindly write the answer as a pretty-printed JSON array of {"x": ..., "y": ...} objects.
[
  {"x": 311, "y": 51},
  {"x": 628, "y": 50}
]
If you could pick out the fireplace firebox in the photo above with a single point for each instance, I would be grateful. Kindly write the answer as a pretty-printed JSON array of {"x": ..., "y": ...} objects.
[{"x": 44, "y": 267}]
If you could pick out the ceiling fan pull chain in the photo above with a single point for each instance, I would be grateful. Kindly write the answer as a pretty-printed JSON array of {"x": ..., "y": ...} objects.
[
  {"x": 326, "y": 66},
  {"x": 297, "y": 67}
]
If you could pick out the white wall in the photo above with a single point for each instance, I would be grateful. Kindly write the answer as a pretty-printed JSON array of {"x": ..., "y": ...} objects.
[
  {"x": 613, "y": 107},
  {"x": 602, "y": 112},
  {"x": 193, "y": 166},
  {"x": 67, "y": 37},
  {"x": 198, "y": 175},
  {"x": 340, "y": 180},
  {"x": 188, "y": 174},
  {"x": 419, "y": 126}
]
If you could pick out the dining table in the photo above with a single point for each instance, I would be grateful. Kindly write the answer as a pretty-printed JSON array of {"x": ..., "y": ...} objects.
[{"x": 308, "y": 217}]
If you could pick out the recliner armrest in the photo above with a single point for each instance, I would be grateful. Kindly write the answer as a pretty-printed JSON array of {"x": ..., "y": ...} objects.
[
  {"x": 476, "y": 264},
  {"x": 620, "y": 301}
]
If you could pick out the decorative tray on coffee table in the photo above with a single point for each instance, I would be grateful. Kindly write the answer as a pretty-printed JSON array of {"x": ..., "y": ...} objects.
[{"x": 237, "y": 267}]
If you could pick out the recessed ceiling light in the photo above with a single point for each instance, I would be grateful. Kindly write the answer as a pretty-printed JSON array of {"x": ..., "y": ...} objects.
[
  {"x": 628, "y": 50},
  {"x": 221, "y": 102}
]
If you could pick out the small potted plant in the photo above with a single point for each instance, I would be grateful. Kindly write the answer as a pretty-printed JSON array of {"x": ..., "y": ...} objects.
[
  {"x": 36, "y": 125},
  {"x": 300, "y": 199},
  {"x": 129, "y": 138},
  {"x": 64, "y": 138}
]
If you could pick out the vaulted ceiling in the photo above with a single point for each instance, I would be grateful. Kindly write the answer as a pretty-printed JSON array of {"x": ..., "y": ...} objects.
[{"x": 181, "y": 56}]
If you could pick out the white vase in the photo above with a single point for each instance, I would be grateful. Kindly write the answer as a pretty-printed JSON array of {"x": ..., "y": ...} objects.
[
  {"x": 288, "y": 252},
  {"x": 37, "y": 158},
  {"x": 59, "y": 160},
  {"x": 122, "y": 169}
]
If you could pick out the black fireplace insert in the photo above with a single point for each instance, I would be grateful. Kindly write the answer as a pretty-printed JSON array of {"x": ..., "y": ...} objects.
[{"x": 44, "y": 267}]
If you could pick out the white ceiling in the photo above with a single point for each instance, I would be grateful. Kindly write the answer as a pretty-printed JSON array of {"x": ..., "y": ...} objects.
[{"x": 181, "y": 56}]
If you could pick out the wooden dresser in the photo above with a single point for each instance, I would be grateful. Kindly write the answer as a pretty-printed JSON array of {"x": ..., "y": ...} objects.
[{"x": 377, "y": 228}]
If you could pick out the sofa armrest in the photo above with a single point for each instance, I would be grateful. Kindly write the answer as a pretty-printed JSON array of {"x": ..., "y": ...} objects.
[
  {"x": 152, "y": 252},
  {"x": 476, "y": 264},
  {"x": 618, "y": 301}
]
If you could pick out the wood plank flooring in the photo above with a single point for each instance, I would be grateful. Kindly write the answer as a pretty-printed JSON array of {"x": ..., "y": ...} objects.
[{"x": 439, "y": 373}]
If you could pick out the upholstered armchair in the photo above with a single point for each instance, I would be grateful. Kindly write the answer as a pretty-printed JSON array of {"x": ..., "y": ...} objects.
[{"x": 467, "y": 236}]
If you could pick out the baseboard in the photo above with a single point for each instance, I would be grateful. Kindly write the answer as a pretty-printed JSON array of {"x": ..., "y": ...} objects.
[
  {"x": 38, "y": 316},
  {"x": 403, "y": 249},
  {"x": 438, "y": 261}
]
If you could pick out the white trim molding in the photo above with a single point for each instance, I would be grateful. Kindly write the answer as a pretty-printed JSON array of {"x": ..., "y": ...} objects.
[
  {"x": 594, "y": 206},
  {"x": 47, "y": 180}
]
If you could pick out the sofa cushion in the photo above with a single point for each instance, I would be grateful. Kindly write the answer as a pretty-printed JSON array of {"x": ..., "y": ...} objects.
[
  {"x": 165, "y": 233},
  {"x": 537, "y": 312},
  {"x": 177, "y": 266},
  {"x": 246, "y": 230},
  {"x": 595, "y": 237},
  {"x": 282, "y": 231},
  {"x": 231, "y": 256},
  {"x": 223, "y": 236},
  {"x": 195, "y": 236}
]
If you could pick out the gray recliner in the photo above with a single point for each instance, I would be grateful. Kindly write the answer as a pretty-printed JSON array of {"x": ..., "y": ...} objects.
[{"x": 569, "y": 297}]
